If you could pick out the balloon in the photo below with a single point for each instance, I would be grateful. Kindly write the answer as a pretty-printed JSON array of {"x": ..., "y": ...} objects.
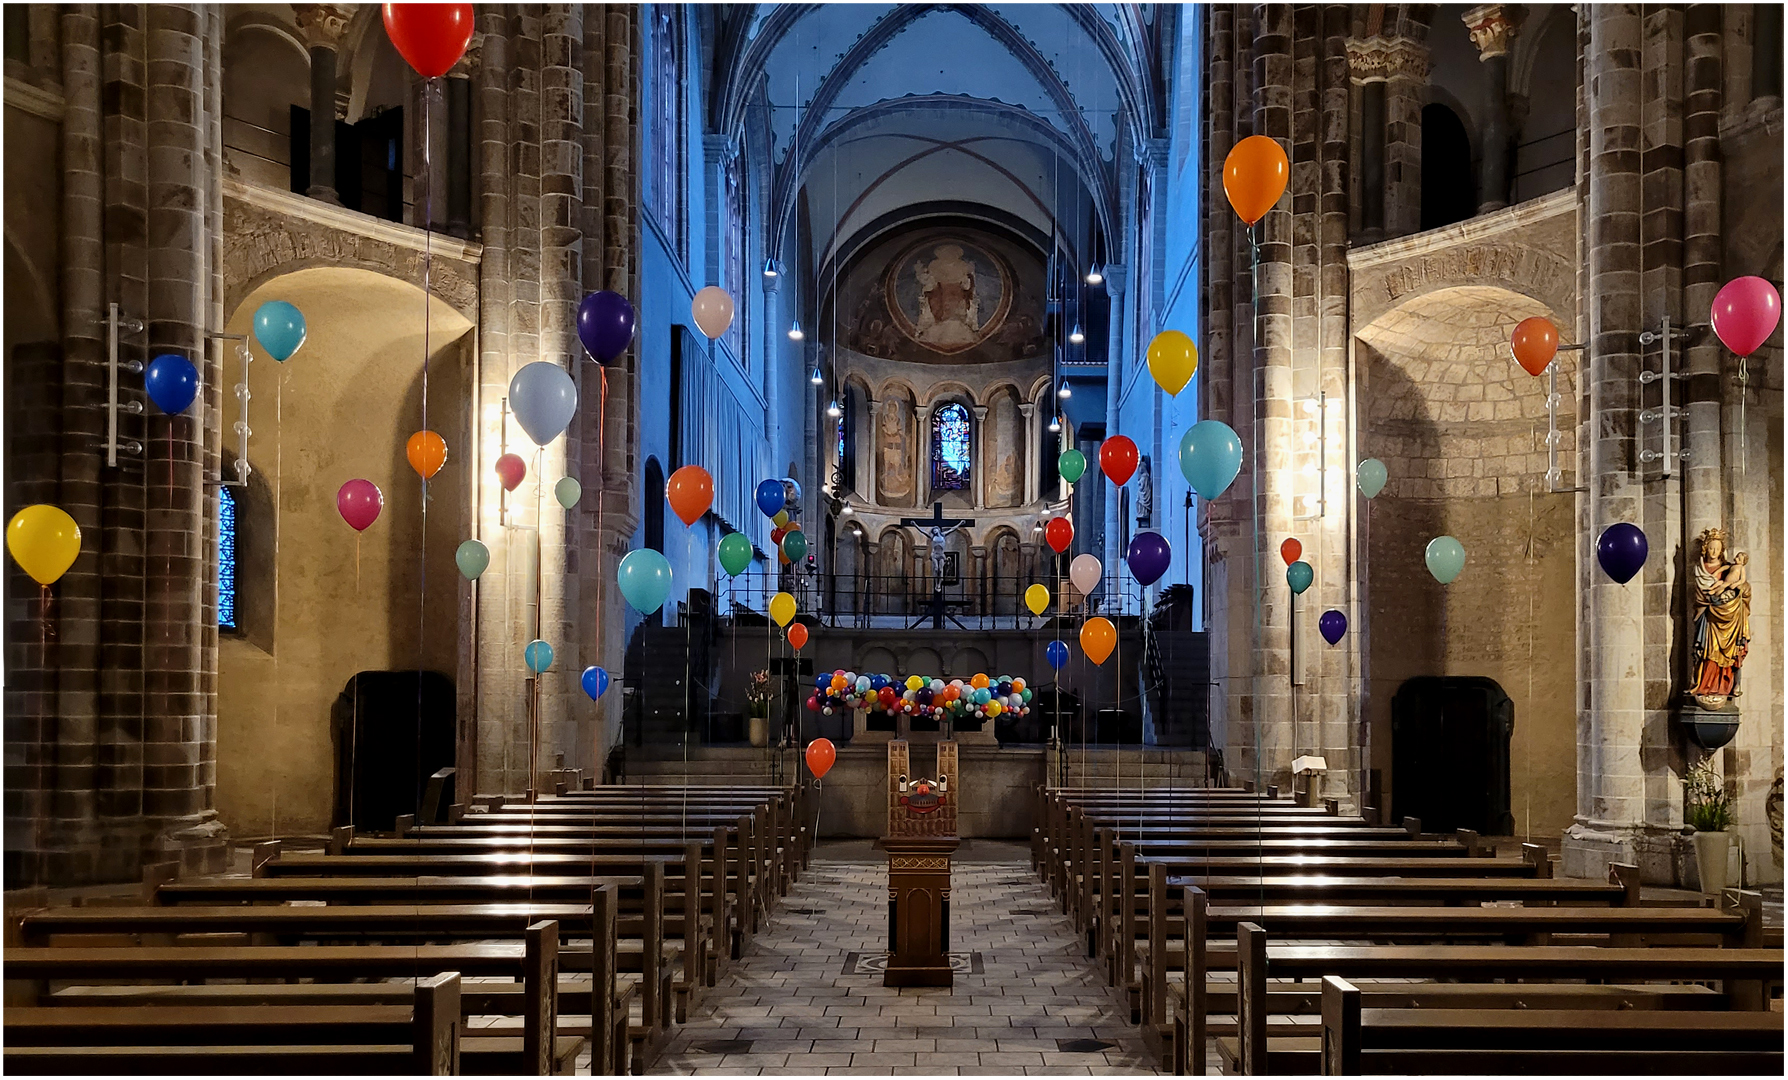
[
  {"x": 770, "y": 497},
  {"x": 791, "y": 492},
  {"x": 735, "y": 553},
  {"x": 431, "y": 37},
  {"x": 1149, "y": 556},
  {"x": 1072, "y": 465},
  {"x": 1370, "y": 477},
  {"x": 782, "y": 608},
  {"x": 1254, "y": 176},
  {"x": 473, "y": 557},
  {"x": 797, "y": 635},
  {"x": 1036, "y": 598},
  {"x": 510, "y": 470},
  {"x": 595, "y": 682},
  {"x": 1060, "y": 533},
  {"x": 1446, "y": 557},
  {"x": 979, "y": 682},
  {"x": 794, "y": 545},
  {"x": 1534, "y": 343},
  {"x": 1085, "y": 572},
  {"x": 359, "y": 502},
  {"x": 543, "y": 398},
  {"x": 1621, "y": 551},
  {"x": 820, "y": 756},
  {"x": 781, "y": 519},
  {"x": 777, "y": 534},
  {"x": 605, "y": 325},
  {"x": 279, "y": 327},
  {"x": 1745, "y": 312},
  {"x": 427, "y": 452},
  {"x": 568, "y": 491},
  {"x": 1057, "y": 654},
  {"x": 1210, "y": 455},
  {"x": 1117, "y": 459},
  {"x": 538, "y": 656},
  {"x": 1290, "y": 550},
  {"x": 1299, "y": 575},
  {"x": 690, "y": 491},
  {"x": 1097, "y": 638},
  {"x": 172, "y": 383},
  {"x": 913, "y": 682},
  {"x": 813, "y": 704},
  {"x": 1332, "y": 624},
  {"x": 44, "y": 541},
  {"x": 1172, "y": 361},
  {"x": 712, "y": 309},
  {"x": 645, "y": 579}
]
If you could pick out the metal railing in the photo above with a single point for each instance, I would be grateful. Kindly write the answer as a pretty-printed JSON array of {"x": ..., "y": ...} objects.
[{"x": 864, "y": 601}]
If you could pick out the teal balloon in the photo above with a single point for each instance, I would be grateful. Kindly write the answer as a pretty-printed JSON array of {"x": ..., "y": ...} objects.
[
  {"x": 472, "y": 558},
  {"x": 1210, "y": 457},
  {"x": 568, "y": 491},
  {"x": 645, "y": 579},
  {"x": 735, "y": 553},
  {"x": 1446, "y": 557},
  {"x": 539, "y": 656},
  {"x": 1299, "y": 575},
  {"x": 279, "y": 327},
  {"x": 794, "y": 545},
  {"x": 1371, "y": 477},
  {"x": 1072, "y": 465}
]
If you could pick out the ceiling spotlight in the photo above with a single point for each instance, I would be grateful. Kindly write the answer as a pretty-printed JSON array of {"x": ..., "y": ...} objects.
[
  {"x": 770, "y": 268},
  {"x": 794, "y": 331},
  {"x": 1095, "y": 275},
  {"x": 1075, "y": 335},
  {"x": 816, "y": 378},
  {"x": 834, "y": 410},
  {"x": 1055, "y": 424},
  {"x": 1064, "y": 393}
]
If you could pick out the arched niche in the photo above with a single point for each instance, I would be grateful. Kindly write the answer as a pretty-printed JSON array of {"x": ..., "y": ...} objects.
[
  {"x": 1006, "y": 571},
  {"x": 897, "y": 443},
  {"x": 893, "y": 567},
  {"x": 1003, "y": 449},
  {"x": 1449, "y": 183},
  {"x": 266, "y": 72}
]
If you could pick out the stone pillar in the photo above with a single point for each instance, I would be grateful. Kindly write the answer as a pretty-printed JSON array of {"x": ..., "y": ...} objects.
[
  {"x": 1491, "y": 28},
  {"x": 1401, "y": 63},
  {"x": 980, "y": 458},
  {"x": 1033, "y": 442},
  {"x": 869, "y": 448},
  {"x": 322, "y": 26},
  {"x": 922, "y": 455},
  {"x": 459, "y": 142},
  {"x": 1117, "y": 278},
  {"x": 1703, "y": 87},
  {"x": 1362, "y": 60}
]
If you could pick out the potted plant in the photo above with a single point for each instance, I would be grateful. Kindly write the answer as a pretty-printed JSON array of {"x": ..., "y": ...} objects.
[
  {"x": 1709, "y": 812},
  {"x": 757, "y": 706}
]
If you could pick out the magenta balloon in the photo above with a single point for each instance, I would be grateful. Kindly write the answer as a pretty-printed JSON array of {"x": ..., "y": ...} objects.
[
  {"x": 605, "y": 322},
  {"x": 359, "y": 502},
  {"x": 1149, "y": 557},
  {"x": 1745, "y": 313}
]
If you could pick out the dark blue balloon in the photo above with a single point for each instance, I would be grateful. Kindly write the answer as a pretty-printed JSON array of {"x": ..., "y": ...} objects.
[
  {"x": 1332, "y": 624},
  {"x": 876, "y": 682},
  {"x": 1622, "y": 551},
  {"x": 595, "y": 682},
  {"x": 1149, "y": 557},
  {"x": 770, "y": 497},
  {"x": 605, "y": 323},
  {"x": 172, "y": 383},
  {"x": 1057, "y": 653}
]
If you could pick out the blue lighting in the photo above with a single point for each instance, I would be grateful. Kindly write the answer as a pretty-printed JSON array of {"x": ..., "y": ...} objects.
[{"x": 226, "y": 559}]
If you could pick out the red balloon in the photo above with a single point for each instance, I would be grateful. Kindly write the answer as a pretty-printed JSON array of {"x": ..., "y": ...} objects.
[
  {"x": 1291, "y": 550},
  {"x": 1060, "y": 533},
  {"x": 820, "y": 756},
  {"x": 432, "y": 37},
  {"x": 813, "y": 702},
  {"x": 1534, "y": 343},
  {"x": 1117, "y": 458},
  {"x": 510, "y": 470},
  {"x": 797, "y": 635},
  {"x": 777, "y": 534}
]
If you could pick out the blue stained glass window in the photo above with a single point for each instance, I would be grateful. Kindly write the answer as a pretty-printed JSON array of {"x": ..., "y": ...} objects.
[
  {"x": 950, "y": 455},
  {"x": 226, "y": 559},
  {"x": 841, "y": 439}
]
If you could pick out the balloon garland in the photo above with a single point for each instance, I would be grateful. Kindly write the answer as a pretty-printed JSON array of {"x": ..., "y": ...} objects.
[{"x": 928, "y": 697}]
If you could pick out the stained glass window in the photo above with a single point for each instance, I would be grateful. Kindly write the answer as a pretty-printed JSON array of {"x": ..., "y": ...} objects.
[
  {"x": 226, "y": 559},
  {"x": 950, "y": 454}
]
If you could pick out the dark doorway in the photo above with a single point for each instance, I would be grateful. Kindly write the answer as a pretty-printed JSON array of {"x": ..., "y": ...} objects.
[
  {"x": 1450, "y": 754},
  {"x": 654, "y": 505},
  {"x": 369, "y": 170},
  {"x": 1449, "y": 183},
  {"x": 392, "y": 729}
]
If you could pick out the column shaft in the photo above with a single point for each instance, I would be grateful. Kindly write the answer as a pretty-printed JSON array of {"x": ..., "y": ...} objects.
[{"x": 322, "y": 125}]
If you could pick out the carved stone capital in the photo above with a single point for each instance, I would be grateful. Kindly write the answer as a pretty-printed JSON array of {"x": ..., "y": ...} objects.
[
  {"x": 467, "y": 65},
  {"x": 1491, "y": 27},
  {"x": 322, "y": 24},
  {"x": 1381, "y": 59}
]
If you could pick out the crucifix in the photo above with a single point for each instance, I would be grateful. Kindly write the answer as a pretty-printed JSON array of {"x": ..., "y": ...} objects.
[{"x": 937, "y": 527}]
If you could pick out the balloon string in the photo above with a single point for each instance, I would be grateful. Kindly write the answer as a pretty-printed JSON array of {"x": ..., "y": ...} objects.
[{"x": 428, "y": 203}]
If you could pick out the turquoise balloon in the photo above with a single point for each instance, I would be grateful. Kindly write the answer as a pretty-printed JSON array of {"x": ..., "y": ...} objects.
[
  {"x": 1299, "y": 575},
  {"x": 1210, "y": 457},
  {"x": 1446, "y": 557},
  {"x": 1072, "y": 465},
  {"x": 735, "y": 553},
  {"x": 472, "y": 558},
  {"x": 1371, "y": 477},
  {"x": 539, "y": 656},
  {"x": 645, "y": 579},
  {"x": 279, "y": 327}
]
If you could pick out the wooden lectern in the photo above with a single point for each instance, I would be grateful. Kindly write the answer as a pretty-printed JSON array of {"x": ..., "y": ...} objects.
[{"x": 921, "y": 837}]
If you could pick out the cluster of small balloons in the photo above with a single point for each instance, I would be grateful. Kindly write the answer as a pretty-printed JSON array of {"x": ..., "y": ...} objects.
[
  {"x": 981, "y": 696},
  {"x": 776, "y": 500}
]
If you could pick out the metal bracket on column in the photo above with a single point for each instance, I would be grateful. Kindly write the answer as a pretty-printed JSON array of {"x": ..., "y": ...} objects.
[
  {"x": 1553, "y": 473},
  {"x": 1321, "y": 401},
  {"x": 502, "y": 448},
  {"x": 242, "y": 395},
  {"x": 1666, "y": 412},
  {"x": 117, "y": 324}
]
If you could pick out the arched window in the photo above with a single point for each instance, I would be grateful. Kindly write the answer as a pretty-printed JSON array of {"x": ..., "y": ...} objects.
[
  {"x": 950, "y": 448},
  {"x": 1449, "y": 185},
  {"x": 226, "y": 559}
]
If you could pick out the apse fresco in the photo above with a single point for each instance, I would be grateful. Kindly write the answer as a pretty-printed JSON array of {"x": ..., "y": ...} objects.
[{"x": 948, "y": 296}]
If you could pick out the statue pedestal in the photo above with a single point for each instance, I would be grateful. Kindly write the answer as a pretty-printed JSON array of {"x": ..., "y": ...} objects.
[{"x": 918, "y": 910}]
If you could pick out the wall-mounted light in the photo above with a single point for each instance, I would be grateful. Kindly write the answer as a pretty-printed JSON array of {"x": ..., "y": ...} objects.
[
  {"x": 794, "y": 331},
  {"x": 770, "y": 269},
  {"x": 833, "y": 410},
  {"x": 1095, "y": 275},
  {"x": 1076, "y": 335},
  {"x": 1316, "y": 409},
  {"x": 1064, "y": 393},
  {"x": 816, "y": 378}
]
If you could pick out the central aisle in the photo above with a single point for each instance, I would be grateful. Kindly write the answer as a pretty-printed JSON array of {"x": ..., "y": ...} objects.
[{"x": 805, "y": 998}]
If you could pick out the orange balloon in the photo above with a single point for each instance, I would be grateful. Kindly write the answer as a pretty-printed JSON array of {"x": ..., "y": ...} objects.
[
  {"x": 1534, "y": 343},
  {"x": 1254, "y": 176},
  {"x": 797, "y": 635},
  {"x": 690, "y": 491},
  {"x": 427, "y": 453},
  {"x": 820, "y": 756},
  {"x": 1097, "y": 638},
  {"x": 1290, "y": 550}
]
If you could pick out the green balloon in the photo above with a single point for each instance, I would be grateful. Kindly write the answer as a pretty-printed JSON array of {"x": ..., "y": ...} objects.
[
  {"x": 794, "y": 545},
  {"x": 472, "y": 558},
  {"x": 735, "y": 553},
  {"x": 1445, "y": 557},
  {"x": 1072, "y": 465},
  {"x": 1371, "y": 477},
  {"x": 568, "y": 491},
  {"x": 1299, "y": 575}
]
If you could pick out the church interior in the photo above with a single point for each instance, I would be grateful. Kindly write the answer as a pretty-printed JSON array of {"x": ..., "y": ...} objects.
[{"x": 1260, "y": 527}]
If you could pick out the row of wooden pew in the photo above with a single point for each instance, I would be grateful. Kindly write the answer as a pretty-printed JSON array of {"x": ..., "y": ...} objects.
[
  {"x": 436, "y": 950},
  {"x": 1305, "y": 941}
]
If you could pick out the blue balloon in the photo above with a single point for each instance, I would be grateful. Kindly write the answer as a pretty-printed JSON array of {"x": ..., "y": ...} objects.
[
  {"x": 279, "y": 327},
  {"x": 1210, "y": 457},
  {"x": 645, "y": 579},
  {"x": 595, "y": 682},
  {"x": 605, "y": 325},
  {"x": 1622, "y": 550},
  {"x": 539, "y": 656},
  {"x": 543, "y": 398},
  {"x": 172, "y": 383},
  {"x": 770, "y": 497},
  {"x": 1057, "y": 652}
]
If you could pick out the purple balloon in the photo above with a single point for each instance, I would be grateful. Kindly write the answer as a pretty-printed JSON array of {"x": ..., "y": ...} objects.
[
  {"x": 1621, "y": 551},
  {"x": 1148, "y": 557},
  {"x": 605, "y": 325},
  {"x": 1332, "y": 624}
]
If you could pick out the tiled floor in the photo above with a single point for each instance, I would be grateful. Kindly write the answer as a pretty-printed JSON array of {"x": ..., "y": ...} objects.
[{"x": 789, "y": 1009}]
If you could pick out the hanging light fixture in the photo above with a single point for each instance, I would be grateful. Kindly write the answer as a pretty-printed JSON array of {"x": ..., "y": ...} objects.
[
  {"x": 834, "y": 410},
  {"x": 847, "y": 510},
  {"x": 1076, "y": 336},
  {"x": 770, "y": 267},
  {"x": 816, "y": 378},
  {"x": 1055, "y": 424},
  {"x": 1064, "y": 393},
  {"x": 1095, "y": 275},
  {"x": 794, "y": 331}
]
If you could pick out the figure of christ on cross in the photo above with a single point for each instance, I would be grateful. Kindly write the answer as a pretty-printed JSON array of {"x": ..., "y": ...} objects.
[{"x": 938, "y": 528}]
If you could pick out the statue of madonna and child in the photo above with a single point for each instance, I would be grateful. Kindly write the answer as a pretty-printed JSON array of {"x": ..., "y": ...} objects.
[{"x": 1721, "y": 604}]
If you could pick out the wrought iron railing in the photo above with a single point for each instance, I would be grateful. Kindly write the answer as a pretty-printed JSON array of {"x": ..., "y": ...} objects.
[{"x": 973, "y": 603}]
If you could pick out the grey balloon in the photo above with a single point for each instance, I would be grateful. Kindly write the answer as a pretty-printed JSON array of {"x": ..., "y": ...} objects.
[{"x": 543, "y": 398}]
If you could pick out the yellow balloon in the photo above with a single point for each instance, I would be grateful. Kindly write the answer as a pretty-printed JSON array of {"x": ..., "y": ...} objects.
[
  {"x": 1097, "y": 638},
  {"x": 1172, "y": 360},
  {"x": 994, "y": 708},
  {"x": 1036, "y": 598},
  {"x": 913, "y": 682},
  {"x": 781, "y": 518},
  {"x": 44, "y": 541},
  {"x": 782, "y": 608}
]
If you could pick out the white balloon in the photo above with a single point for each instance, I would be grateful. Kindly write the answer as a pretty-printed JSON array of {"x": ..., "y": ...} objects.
[
  {"x": 1085, "y": 572},
  {"x": 713, "y": 311}
]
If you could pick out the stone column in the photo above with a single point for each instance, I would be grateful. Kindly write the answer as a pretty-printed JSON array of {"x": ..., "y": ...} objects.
[
  {"x": 1403, "y": 64},
  {"x": 922, "y": 455},
  {"x": 322, "y": 26},
  {"x": 1368, "y": 73},
  {"x": 980, "y": 458},
  {"x": 869, "y": 447},
  {"x": 1491, "y": 28},
  {"x": 1033, "y": 443},
  {"x": 1703, "y": 90},
  {"x": 459, "y": 142},
  {"x": 1122, "y": 298}
]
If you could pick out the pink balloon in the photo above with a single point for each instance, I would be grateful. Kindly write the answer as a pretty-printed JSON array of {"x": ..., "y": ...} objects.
[
  {"x": 1745, "y": 313},
  {"x": 359, "y": 502}
]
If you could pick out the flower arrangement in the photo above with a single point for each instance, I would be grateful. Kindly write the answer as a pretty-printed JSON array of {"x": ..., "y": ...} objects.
[
  {"x": 757, "y": 693},
  {"x": 1705, "y": 803}
]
